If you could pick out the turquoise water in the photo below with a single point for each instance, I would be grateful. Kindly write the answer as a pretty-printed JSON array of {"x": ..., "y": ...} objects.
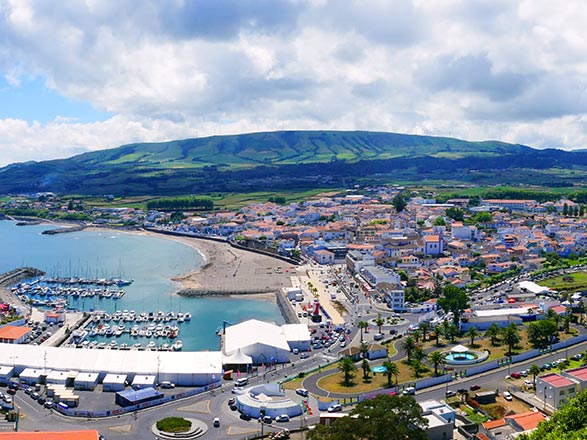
[
  {"x": 460, "y": 357},
  {"x": 379, "y": 369},
  {"x": 150, "y": 261}
]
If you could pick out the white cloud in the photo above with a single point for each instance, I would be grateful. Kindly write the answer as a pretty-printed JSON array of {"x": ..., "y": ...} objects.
[{"x": 475, "y": 69}]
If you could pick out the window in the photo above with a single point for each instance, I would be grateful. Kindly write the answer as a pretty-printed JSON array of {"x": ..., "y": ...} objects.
[
  {"x": 572, "y": 390},
  {"x": 561, "y": 393}
]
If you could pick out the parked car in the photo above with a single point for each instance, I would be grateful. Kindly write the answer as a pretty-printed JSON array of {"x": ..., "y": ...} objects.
[
  {"x": 216, "y": 422},
  {"x": 451, "y": 393},
  {"x": 304, "y": 355},
  {"x": 267, "y": 420},
  {"x": 578, "y": 356},
  {"x": 475, "y": 387},
  {"x": 507, "y": 396},
  {"x": 302, "y": 392},
  {"x": 167, "y": 384},
  {"x": 529, "y": 383},
  {"x": 335, "y": 408},
  {"x": 282, "y": 418},
  {"x": 409, "y": 391},
  {"x": 516, "y": 375},
  {"x": 232, "y": 401}
]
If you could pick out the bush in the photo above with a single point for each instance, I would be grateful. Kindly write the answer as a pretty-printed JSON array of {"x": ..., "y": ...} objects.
[{"x": 174, "y": 424}]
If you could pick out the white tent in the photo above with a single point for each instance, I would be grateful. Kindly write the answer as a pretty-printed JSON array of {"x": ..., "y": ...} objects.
[
  {"x": 237, "y": 358},
  {"x": 114, "y": 382},
  {"x": 86, "y": 381},
  {"x": 144, "y": 381},
  {"x": 262, "y": 341},
  {"x": 459, "y": 349},
  {"x": 31, "y": 376},
  {"x": 6, "y": 373}
]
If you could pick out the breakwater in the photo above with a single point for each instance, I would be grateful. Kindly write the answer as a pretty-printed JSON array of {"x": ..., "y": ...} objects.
[
  {"x": 76, "y": 228},
  {"x": 16, "y": 275},
  {"x": 196, "y": 293}
]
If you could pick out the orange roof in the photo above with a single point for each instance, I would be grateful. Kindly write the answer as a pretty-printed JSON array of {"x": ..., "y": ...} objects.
[
  {"x": 13, "y": 332},
  {"x": 50, "y": 435},
  {"x": 431, "y": 238},
  {"x": 494, "y": 424},
  {"x": 528, "y": 420}
]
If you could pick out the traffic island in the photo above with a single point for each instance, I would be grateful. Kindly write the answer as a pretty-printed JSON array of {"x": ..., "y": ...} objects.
[{"x": 194, "y": 429}]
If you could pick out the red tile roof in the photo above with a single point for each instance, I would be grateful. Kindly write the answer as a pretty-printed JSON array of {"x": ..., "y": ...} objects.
[
  {"x": 528, "y": 420},
  {"x": 13, "y": 332},
  {"x": 556, "y": 380},
  {"x": 50, "y": 435}
]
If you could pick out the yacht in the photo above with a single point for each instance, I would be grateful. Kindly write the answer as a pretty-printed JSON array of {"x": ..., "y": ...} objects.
[{"x": 177, "y": 345}]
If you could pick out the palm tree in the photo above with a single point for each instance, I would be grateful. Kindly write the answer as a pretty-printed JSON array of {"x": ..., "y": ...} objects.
[
  {"x": 535, "y": 371},
  {"x": 418, "y": 354},
  {"x": 379, "y": 322},
  {"x": 416, "y": 335},
  {"x": 472, "y": 333},
  {"x": 567, "y": 323},
  {"x": 437, "y": 334},
  {"x": 364, "y": 348},
  {"x": 391, "y": 369},
  {"x": 362, "y": 325},
  {"x": 417, "y": 367},
  {"x": 409, "y": 345},
  {"x": 437, "y": 359},
  {"x": 446, "y": 329},
  {"x": 493, "y": 333},
  {"x": 348, "y": 368},
  {"x": 424, "y": 327},
  {"x": 453, "y": 331},
  {"x": 511, "y": 337},
  {"x": 366, "y": 369}
]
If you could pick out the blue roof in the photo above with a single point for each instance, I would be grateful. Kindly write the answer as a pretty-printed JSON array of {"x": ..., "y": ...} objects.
[{"x": 137, "y": 395}]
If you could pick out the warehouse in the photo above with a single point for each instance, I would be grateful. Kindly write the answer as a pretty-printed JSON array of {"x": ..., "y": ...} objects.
[
  {"x": 114, "y": 382},
  {"x": 182, "y": 368},
  {"x": 86, "y": 381}
]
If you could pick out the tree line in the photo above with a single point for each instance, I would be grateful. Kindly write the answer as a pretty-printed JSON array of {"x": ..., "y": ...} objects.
[{"x": 181, "y": 203}]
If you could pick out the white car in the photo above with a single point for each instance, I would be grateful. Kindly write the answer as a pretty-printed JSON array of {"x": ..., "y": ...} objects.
[
  {"x": 302, "y": 392},
  {"x": 282, "y": 418},
  {"x": 335, "y": 408},
  {"x": 507, "y": 396}
]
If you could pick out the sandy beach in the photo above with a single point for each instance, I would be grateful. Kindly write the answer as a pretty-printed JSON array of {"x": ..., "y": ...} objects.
[{"x": 231, "y": 270}]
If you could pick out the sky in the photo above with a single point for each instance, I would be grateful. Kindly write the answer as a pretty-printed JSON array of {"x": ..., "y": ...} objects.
[{"x": 82, "y": 75}]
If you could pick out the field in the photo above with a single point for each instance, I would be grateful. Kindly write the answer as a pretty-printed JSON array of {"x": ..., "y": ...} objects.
[{"x": 571, "y": 282}]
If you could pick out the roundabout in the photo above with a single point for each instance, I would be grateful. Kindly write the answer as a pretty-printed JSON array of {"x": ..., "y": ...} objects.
[{"x": 196, "y": 430}]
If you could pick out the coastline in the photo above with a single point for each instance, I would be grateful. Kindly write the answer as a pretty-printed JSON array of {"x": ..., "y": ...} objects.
[{"x": 226, "y": 269}]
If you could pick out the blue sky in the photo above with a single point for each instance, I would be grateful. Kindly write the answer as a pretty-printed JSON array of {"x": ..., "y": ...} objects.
[
  {"x": 84, "y": 75},
  {"x": 32, "y": 101}
]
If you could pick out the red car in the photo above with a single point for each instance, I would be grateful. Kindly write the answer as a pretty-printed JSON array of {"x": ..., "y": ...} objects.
[{"x": 516, "y": 375}]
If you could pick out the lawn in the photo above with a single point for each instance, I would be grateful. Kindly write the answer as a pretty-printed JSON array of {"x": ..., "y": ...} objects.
[{"x": 571, "y": 282}]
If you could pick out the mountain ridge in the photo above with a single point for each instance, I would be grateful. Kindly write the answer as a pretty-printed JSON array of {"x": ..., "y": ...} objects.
[{"x": 256, "y": 160}]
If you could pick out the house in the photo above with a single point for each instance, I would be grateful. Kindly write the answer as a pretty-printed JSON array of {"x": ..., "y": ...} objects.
[
  {"x": 12, "y": 334},
  {"x": 353, "y": 352},
  {"x": 441, "y": 419},
  {"x": 554, "y": 390},
  {"x": 394, "y": 296},
  {"x": 322, "y": 256},
  {"x": 433, "y": 244},
  {"x": 510, "y": 426},
  {"x": 376, "y": 351}
]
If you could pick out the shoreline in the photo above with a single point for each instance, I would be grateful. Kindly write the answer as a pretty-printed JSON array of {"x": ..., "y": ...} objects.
[{"x": 224, "y": 268}]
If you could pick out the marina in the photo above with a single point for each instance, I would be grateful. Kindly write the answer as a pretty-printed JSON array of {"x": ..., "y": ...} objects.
[{"x": 151, "y": 262}]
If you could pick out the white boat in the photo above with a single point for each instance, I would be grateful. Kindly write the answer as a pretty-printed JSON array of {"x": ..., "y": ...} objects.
[
  {"x": 187, "y": 316},
  {"x": 177, "y": 345}
]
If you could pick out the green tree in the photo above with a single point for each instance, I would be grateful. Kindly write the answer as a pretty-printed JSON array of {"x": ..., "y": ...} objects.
[
  {"x": 567, "y": 319},
  {"x": 535, "y": 371},
  {"x": 437, "y": 359},
  {"x": 493, "y": 333},
  {"x": 581, "y": 210},
  {"x": 391, "y": 369},
  {"x": 456, "y": 214},
  {"x": 453, "y": 331},
  {"x": 511, "y": 337},
  {"x": 362, "y": 326},
  {"x": 408, "y": 345},
  {"x": 416, "y": 335},
  {"x": 399, "y": 203},
  {"x": 439, "y": 221},
  {"x": 437, "y": 334},
  {"x": 364, "y": 348},
  {"x": 417, "y": 366},
  {"x": 176, "y": 217},
  {"x": 348, "y": 368},
  {"x": 379, "y": 321},
  {"x": 565, "y": 209},
  {"x": 455, "y": 300},
  {"x": 483, "y": 217},
  {"x": 382, "y": 418},
  {"x": 366, "y": 369},
  {"x": 472, "y": 333},
  {"x": 424, "y": 328}
]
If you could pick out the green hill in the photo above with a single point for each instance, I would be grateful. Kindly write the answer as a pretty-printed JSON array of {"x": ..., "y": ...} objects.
[{"x": 271, "y": 160}]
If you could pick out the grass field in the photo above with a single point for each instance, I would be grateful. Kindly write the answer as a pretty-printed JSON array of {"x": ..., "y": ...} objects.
[{"x": 571, "y": 282}]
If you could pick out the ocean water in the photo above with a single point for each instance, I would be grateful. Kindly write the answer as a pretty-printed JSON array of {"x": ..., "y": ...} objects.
[{"x": 150, "y": 261}]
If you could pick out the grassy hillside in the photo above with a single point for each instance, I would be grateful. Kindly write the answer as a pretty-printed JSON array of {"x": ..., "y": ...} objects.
[{"x": 292, "y": 161}]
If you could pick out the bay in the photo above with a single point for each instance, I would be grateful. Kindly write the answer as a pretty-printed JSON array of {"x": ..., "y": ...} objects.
[{"x": 148, "y": 260}]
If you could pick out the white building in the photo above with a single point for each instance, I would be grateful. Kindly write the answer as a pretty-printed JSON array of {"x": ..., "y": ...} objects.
[{"x": 265, "y": 343}]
